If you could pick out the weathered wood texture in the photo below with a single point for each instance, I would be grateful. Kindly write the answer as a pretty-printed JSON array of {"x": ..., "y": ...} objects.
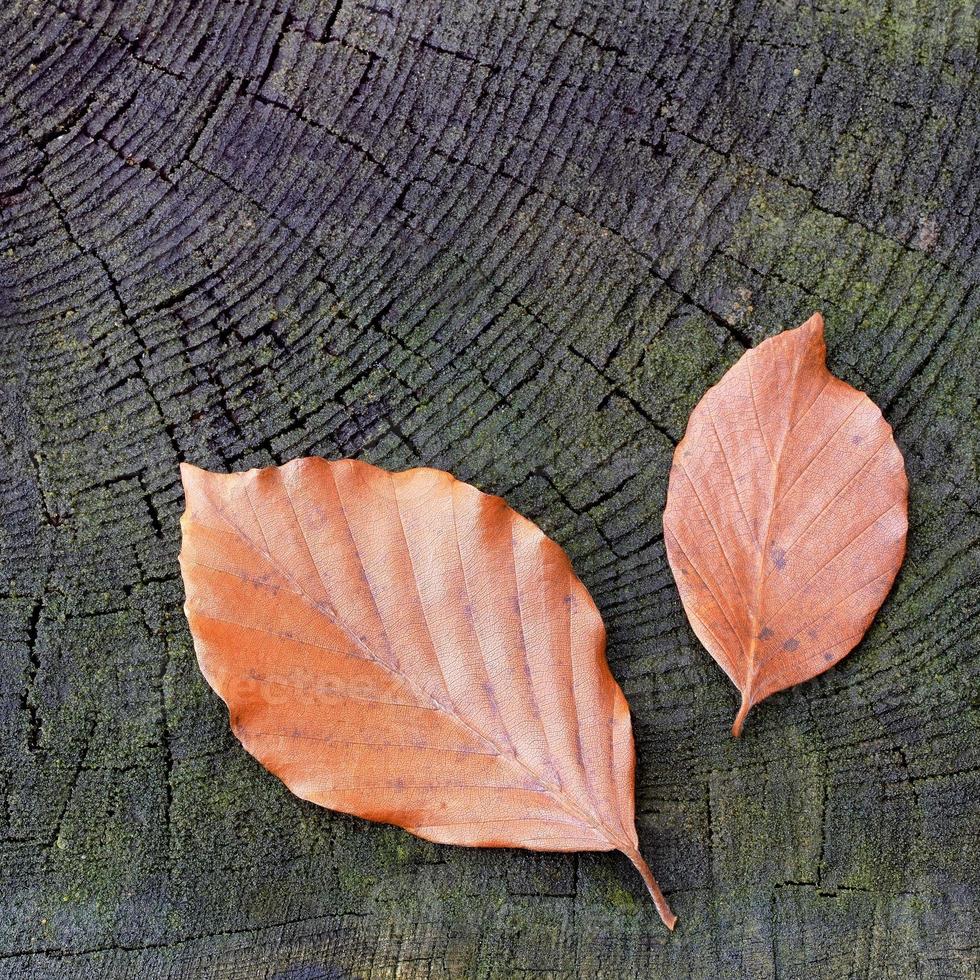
[{"x": 516, "y": 241}]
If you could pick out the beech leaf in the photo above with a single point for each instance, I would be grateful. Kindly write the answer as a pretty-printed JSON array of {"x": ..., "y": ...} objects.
[
  {"x": 405, "y": 648},
  {"x": 787, "y": 511}
]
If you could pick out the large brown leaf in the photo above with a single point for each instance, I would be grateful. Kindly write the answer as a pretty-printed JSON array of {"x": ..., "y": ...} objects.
[
  {"x": 786, "y": 516},
  {"x": 403, "y": 647}
]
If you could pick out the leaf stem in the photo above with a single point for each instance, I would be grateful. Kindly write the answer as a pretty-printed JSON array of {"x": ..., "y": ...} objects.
[
  {"x": 663, "y": 907},
  {"x": 740, "y": 717}
]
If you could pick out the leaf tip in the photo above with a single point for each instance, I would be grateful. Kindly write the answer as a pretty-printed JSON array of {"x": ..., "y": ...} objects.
[
  {"x": 815, "y": 323},
  {"x": 188, "y": 471}
]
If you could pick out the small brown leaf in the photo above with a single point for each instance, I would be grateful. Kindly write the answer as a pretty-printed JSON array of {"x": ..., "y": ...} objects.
[
  {"x": 405, "y": 648},
  {"x": 786, "y": 516}
]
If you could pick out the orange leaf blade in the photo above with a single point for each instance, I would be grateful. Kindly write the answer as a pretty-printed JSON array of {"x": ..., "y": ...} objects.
[
  {"x": 786, "y": 517},
  {"x": 405, "y": 648}
]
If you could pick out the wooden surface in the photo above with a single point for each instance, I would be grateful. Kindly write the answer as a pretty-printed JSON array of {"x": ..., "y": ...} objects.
[{"x": 516, "y": 241}]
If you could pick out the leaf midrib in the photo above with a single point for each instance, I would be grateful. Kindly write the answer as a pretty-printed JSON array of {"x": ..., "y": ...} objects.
[{"x": 775, "y": 463}]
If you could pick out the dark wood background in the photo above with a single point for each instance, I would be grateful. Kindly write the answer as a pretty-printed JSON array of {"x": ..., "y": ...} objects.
[{"x": 517, "y": 241}]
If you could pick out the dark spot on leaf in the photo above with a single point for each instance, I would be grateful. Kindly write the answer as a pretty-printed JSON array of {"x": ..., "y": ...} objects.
[
  {"x": 778, "y": 556},
  {"x": 857, "y": 440},
  {"x": 765, "y": 634},
  {"x": 828, "y": 656},
  {"x": 791, "y": 645}
]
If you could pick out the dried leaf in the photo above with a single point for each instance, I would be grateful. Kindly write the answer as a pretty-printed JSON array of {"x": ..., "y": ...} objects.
[
  {"x": 786, "y": 516},
  {"x": 403, "y": 647}
]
